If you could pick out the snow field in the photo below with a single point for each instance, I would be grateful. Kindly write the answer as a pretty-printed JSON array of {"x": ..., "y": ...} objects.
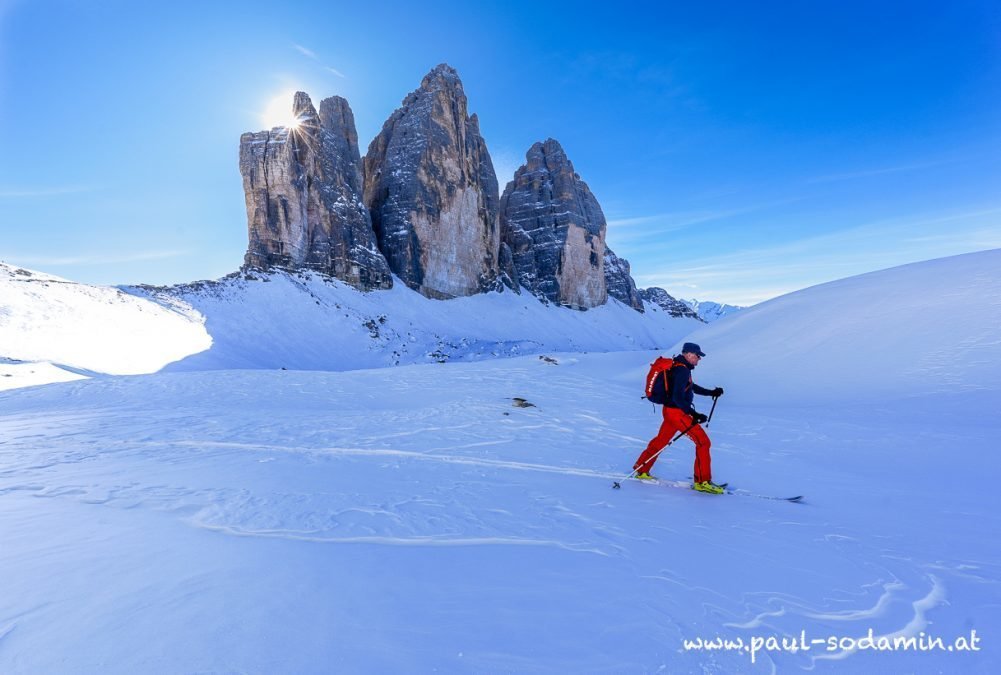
[
  {"x": 409, "y": 519},
  {"x": 398, "y": 519}
]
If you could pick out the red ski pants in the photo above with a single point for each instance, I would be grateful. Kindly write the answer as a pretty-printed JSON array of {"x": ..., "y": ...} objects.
[{"x": 675, "y": 421}]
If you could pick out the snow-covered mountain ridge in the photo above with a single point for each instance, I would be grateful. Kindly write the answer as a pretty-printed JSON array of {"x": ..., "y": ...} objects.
[
  {"x": 306, "y": 321},
  {"x": 712, "y": 311},
  {"x": 302, "y": 321}
]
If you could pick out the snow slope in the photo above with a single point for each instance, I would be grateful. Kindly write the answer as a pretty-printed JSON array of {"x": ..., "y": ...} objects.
[
  {"x": 58, "y": 327},
  {"x": 936, "y": 333},
  {"x": 412, "y": 519},
  {"x": 309, "y": 322},
  {"x": 52, "y": 329}
]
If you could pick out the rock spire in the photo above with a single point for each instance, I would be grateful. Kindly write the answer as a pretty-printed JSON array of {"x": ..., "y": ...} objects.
[
  {"x": 303, "y": 188},
  {"x": 555, "y": 230},
  {"x": 432, "y": 192}
]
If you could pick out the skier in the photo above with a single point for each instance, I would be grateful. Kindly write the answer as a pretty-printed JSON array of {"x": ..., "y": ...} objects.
[{"x": 679, "y": 415}]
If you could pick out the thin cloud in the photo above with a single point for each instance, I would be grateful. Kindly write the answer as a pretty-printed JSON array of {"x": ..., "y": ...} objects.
[
  {"x": 757, "y": 274},
  {"x": 637, "y": 220},
  {"x": 309, "y": 53},
  {"x": 679, "y": 219},
  {"x": 30, "y": 192},
  {"x": 673, "y": 221},
  {"x": 57, "y": 261},
  {"x": 866, "y": 173},
  {"x": 988, "y": 237},
  {"x": 851, "y": 246}
]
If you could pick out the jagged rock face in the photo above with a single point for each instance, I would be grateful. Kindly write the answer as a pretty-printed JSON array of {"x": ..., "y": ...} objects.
[
  {"x": 505, "y": 264},
  {"x": 304, "y": 190},
  {"x": 555, "y": 230},
  {"x": 620, "y": 282},
  {"x": 432, "y": 192},
  {"x": 664, "y": 300}
]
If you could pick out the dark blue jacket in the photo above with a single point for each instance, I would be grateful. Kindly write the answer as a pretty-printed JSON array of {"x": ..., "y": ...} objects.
[{"x": 682, "y": 387}]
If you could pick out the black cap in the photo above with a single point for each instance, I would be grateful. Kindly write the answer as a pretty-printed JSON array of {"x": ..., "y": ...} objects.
[{"x": 693, "y": 348}]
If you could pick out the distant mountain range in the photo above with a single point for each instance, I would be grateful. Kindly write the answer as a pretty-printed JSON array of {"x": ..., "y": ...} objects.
[{"x": 711, "y": 311}]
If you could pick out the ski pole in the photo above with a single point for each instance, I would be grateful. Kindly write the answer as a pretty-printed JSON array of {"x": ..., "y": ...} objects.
[
  {"x": 615, "y": 484},
  {"x": 715, "y": 398}
]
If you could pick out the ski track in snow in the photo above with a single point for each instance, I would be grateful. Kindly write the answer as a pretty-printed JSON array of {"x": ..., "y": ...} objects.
[{"x": 403, "y": 541}]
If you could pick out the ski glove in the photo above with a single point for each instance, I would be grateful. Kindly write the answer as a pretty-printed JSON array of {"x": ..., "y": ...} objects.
[
  {"x": 717, "y": 392},
  {"x": 699, "y": 418}
]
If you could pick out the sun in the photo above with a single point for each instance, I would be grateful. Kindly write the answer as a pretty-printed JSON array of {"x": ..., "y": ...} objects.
[{"x": 278, "y": 112}]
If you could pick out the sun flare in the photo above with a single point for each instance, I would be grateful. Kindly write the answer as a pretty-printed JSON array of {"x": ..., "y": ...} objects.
[{"x": 278, "y": 112}]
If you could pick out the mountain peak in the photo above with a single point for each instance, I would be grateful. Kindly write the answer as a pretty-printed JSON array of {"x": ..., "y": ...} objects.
[
  {"x": 441, "y": 74},
  {"x": 302, "y": 107},
  {"x": 555, "y": 230},
  {"x": 432, "y": 192}
]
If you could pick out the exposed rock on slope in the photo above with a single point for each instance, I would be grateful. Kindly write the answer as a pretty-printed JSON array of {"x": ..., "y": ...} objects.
[
  {"x": 620, "y": 282},
  {"x": 432, "y": 192},
  {"x": 671, "y": 305},
  {"x": 303, "y": 188}
]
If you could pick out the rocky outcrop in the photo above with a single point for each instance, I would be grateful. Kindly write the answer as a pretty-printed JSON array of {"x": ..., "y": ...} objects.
[
  {"x": 423, "y": 204},
  {"x": 664, "y": 300},
  {"x": 303, "y": 188},
  {"x": 620, "y": 282},
  {"x": 555, "y": 230},
  {"x": 432, "y": 192}
]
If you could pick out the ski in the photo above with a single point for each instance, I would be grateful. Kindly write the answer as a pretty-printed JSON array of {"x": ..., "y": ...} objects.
[
  {"x": 744, "y": 493},
  {"x": 681, "y": 484}
]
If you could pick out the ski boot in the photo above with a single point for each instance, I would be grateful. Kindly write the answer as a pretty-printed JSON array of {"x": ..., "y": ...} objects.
[{"x": 708, "y": 487}]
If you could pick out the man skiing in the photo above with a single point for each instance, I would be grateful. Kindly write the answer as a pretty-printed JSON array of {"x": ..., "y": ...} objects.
[{"x": 680, "y": 416}]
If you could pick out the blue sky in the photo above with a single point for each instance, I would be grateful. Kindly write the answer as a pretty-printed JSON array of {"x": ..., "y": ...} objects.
[{"x": 739, "y": 150}]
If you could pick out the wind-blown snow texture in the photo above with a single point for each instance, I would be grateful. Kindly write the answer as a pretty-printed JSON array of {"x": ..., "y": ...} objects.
[{"x": 411, "y": 519}]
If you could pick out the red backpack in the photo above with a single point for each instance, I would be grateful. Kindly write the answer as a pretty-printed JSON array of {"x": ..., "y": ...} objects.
[{"x": 658, "y": 379}]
